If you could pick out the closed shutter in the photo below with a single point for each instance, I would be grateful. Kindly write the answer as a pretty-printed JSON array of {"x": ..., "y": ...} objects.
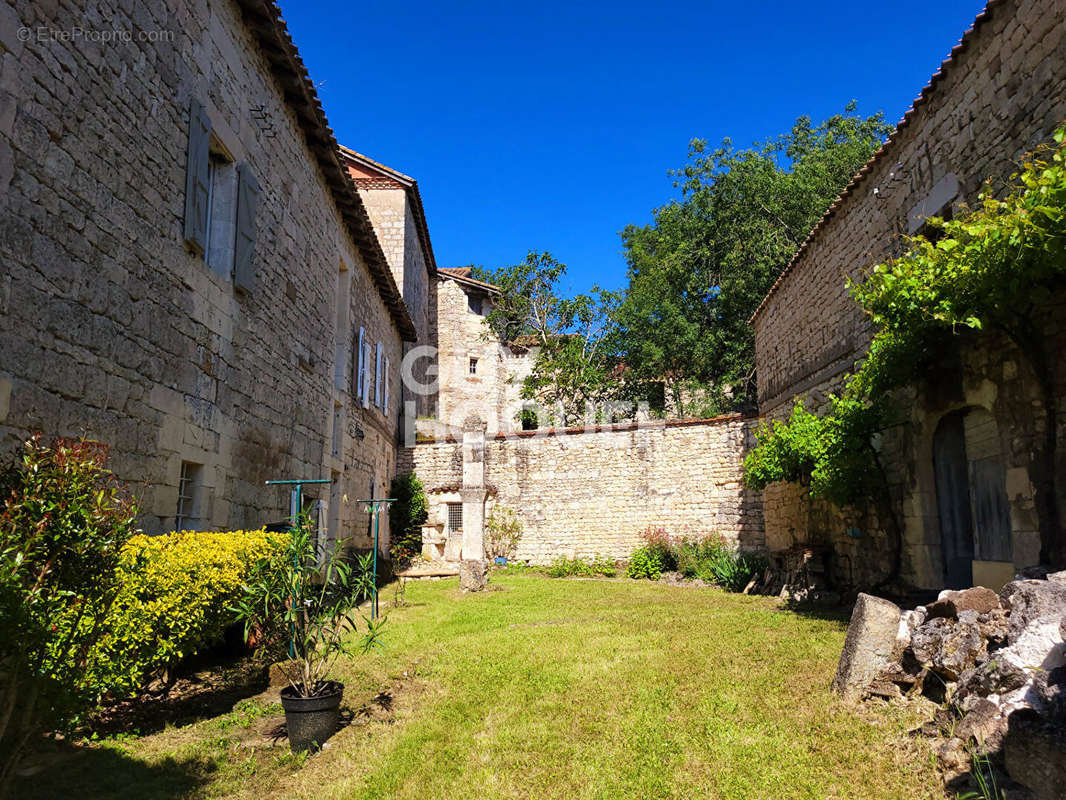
[
  {"x": 244, "y": 244},
  {"x": 359, "y": 377},
  {"x": 366, "y": 374},
  {"x": 197, "y": 178},
  {"x": 379, "y": 363}
]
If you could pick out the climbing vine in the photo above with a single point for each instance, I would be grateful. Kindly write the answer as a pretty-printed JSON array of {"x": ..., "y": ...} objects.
[{"x": 988, "y": 269}]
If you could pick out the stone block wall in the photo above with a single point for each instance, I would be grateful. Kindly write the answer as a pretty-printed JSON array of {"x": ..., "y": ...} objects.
[
  {"x": 493, "y": 392},
  {"x": 1001, "y": 94},
  {"x": 586, "y": 493},
  {"x": 110, "y": 328}
]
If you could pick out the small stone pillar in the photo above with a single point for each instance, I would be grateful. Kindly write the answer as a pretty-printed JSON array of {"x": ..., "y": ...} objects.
[
  {"x": 473, "y": 570},
  {"x": 870, "y": 646}
]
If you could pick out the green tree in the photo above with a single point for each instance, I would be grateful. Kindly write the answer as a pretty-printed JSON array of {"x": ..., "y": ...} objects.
[
  {"x": 700, "y": 269},
  {"x": 574, "y": 365},
  {"x": 407, "y": 516}
]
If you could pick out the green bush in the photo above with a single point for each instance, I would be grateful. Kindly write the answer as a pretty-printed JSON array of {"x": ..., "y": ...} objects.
[
  {"x": 504, "y": 530},
  {"x": 563, "y": 567},
  {"x": 646, "y": 562},
  {"x": 407, "y": 516},
  {"x": 63, "y": 523},
  {"x": 733, "y": 571},
  {"x": 174, "y": 598}
]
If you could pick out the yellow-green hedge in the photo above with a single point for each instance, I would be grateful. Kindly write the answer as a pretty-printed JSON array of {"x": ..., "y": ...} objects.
[{"x": 174, "y": 598}]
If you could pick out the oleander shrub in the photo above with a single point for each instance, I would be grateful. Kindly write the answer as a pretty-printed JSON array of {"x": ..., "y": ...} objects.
[
  {"x": 64, "y": 519},
  {"x": 174, "y": 598}
]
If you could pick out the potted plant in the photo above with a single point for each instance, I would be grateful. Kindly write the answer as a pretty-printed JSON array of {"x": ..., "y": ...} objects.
[{"x": 300, "y": 607}]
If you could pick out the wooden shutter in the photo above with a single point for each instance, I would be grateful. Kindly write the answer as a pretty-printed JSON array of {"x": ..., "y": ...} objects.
[
  {"x": 197, "y": 178},
  {"x": 386, "y": 384},
  {"x": 358, "y": 378},
  {"x": 244, "y": 244},
  {"x": 366, "y": 374},
  {"x": 377, "y": 374}
]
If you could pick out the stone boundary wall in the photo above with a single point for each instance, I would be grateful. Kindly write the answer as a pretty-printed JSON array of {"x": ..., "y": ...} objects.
[{"x": 591, "y": 492}]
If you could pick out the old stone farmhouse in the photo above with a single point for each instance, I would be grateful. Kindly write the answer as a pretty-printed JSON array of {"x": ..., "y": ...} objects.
[
  {"x": 195, "y": 273},
  {"x": 189, "y": 274},
  {"x": 971, "y": 503}
]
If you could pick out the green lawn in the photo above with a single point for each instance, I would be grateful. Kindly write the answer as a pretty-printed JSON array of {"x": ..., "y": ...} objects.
[{"x": 547, "y": 688}]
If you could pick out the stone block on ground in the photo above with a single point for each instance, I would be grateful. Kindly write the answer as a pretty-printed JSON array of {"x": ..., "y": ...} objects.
[
  {"x": 1034, "y": 752},
  {"x": 950, "y": 602},
  {"x": 473, "y": 575},
  {"x": 1032, "y": 600},
  {"x": 870, "y": 646}
]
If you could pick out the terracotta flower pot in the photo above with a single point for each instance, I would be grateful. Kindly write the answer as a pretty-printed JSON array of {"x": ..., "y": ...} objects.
[{"x": 310, "y": 721}]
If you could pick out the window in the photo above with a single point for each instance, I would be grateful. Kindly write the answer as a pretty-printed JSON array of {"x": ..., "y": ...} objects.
[
  {"x": 221, "y": 212},
  {"x": 473, "y": 366},
  {"x": 455, "y": 516},
  {"x": 188, "y": 516},
  {"x": 474, "y": 304},
  {"x": 362, "y": 369},
  {"x": 220, "y": 204}
]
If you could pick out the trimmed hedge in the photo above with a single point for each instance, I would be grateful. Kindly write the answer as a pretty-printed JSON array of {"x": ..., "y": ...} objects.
[{"x": 174, "y": 599}]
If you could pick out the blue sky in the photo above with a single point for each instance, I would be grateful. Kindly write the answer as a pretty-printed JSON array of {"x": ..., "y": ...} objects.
[{"x": 552, "y": 125}]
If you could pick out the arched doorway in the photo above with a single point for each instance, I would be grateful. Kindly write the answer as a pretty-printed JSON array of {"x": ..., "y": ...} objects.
[{"x": 971, "y": 494}]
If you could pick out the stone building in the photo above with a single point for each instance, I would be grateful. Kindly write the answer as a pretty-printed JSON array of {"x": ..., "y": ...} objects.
[
  {"x": 189, "y": 274},
  {"x": 969, "y": 498},
  {"x": 478, "y": 373},
  {"x": 395, "y": 207}
]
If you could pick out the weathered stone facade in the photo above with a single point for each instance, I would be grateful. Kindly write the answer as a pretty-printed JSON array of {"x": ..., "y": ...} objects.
[
  {"x": 112, "y": 328},
  {"x": 394, "y": 204},
  {"x": 479, "y": 374},
  {"x": 1001, "y": 93},
  {"x": 585, "y": 493}
]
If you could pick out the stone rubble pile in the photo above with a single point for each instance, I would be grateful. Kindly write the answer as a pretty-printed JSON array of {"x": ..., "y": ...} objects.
[{"x": 995, "y": 664}]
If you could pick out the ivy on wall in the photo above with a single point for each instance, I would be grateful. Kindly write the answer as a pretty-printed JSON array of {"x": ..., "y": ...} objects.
[{"x": 988, "y": 269}]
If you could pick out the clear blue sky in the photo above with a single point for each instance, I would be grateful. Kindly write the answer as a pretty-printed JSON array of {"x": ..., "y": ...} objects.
[{"x": 551, "y": 125}]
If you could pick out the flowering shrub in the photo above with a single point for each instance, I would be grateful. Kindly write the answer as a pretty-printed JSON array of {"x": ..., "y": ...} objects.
[
  {"x": 173, "y": 599},
  {"x": 63, "y": 521},
  {"x": 707, "y": 557}
]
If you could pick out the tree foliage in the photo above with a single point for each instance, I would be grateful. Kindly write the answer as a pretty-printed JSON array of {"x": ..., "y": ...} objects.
[
  {"x": 988, "y": 269},
  {"x": 407, "y": 516},
  {"x": 574, "y": 366},
  {"x": 700, "y": 269}
]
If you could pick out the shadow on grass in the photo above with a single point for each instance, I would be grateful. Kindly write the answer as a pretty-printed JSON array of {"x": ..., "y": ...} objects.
[
  {"x": 89, "y": 773},
  {"x": 201, "y": 695}
]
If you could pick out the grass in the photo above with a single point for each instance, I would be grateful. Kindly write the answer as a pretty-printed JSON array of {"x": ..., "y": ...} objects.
[{"x": 550, "y": 689}]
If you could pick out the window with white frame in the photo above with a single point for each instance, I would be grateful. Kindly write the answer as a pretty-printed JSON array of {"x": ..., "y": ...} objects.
[
  {"x": 189, "y": 490},
  {"x": 455, "y": 516},
  {"x": 473, "y": 366}
]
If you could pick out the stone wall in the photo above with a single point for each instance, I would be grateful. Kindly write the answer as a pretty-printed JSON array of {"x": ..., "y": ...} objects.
[
  {"x": 112, "y": 329},
  {"x": 1002, "y": 93},
  {"x": 586, "y": 493}
]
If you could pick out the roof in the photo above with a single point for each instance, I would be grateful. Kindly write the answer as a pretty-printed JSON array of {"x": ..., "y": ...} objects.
[
  {"x": 886, "y": 148},
  {"x": 410, "y": 186},
  {"x": 263, "y": 19},
  {"x": 462, "y": 275}
]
